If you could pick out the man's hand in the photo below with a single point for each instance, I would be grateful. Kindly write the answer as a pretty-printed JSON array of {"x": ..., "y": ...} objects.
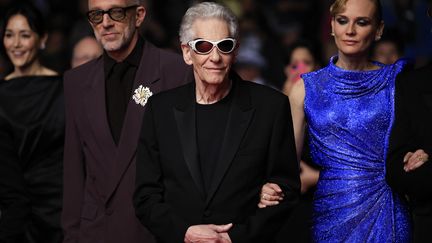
[
  {"x": 208, "y": 233},
  {"x": 414, "y": 160},
  {"x": 225, "y": 238}
]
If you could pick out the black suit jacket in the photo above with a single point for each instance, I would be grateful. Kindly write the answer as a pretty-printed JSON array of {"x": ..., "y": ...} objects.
[
  {"x": 412, "y": 130},
  {"x": 258, "y": 147},
  {"x": 99, "y": 177}
]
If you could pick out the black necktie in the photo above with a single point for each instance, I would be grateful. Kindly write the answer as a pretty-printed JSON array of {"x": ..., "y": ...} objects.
[{"x": 116, "y": 102}]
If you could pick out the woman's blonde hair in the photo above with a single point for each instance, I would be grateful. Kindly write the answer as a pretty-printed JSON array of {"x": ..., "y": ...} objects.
[{"x": 339, "y": 6}]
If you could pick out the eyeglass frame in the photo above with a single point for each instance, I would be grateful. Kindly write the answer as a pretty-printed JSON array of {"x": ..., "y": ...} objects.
[
  {"x": 124, "y": 9},
  {"x": 192, "y": 45}
]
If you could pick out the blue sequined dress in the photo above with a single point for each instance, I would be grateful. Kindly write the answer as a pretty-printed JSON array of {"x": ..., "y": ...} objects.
[{"x": 349, "y": 116}]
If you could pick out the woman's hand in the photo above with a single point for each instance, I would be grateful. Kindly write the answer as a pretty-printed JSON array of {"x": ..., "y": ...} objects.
[
  {"x": 414, "y": 160},
  {"x": 270, "y": 195}
]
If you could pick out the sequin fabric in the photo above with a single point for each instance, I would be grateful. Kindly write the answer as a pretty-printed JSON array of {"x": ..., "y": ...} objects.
[{"x": 349, "y": 116}]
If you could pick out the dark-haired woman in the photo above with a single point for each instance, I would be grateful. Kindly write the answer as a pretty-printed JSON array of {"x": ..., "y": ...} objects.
[{"x": 31, "y": 134}]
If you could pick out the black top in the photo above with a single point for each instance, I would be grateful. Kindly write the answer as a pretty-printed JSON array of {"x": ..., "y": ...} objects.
[
  {"x": 211, "y": 123},
  {"x": 119, "y": 79},
  {"x": 31, "y": 154}
]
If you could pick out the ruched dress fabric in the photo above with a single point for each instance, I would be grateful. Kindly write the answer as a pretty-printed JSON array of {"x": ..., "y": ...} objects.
[
  {"x": 31, "y": 154},
  {"x": 349, "y": 116}
]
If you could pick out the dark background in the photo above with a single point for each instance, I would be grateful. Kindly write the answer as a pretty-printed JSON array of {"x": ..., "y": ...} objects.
[{"x": 268, "y": 28}]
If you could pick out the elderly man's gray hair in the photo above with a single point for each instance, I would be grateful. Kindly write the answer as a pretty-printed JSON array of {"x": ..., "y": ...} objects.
[{"x": 206, "y": 10}]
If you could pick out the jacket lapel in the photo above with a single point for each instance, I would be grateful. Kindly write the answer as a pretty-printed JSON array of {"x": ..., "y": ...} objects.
[
  {"x": 186, "y": 124},
  {"x": 96, "y": 111},
  {"x": 147, "y": 75},
  {"x": 239, "y": 118}
]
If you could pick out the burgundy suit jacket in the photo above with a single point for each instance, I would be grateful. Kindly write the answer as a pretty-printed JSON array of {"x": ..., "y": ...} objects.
[{"x": 99, "y": 177}]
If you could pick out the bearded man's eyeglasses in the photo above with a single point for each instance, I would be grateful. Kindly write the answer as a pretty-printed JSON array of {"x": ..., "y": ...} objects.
[{"x": 116, "y": 14}]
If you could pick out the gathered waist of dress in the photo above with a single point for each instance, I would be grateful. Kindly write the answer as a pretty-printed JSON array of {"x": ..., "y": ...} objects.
[
  {"x": 352, "y": 174},
  {"x": 353, "y": 166},
  {"x": 351, "y": 181}
]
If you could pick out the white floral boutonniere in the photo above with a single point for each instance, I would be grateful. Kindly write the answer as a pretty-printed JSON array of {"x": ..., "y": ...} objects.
[{"x": 141, "y": 95}]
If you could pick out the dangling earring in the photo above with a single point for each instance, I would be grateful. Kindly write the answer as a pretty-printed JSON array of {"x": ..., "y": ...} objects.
[
  {"x": 332, "y": 33},
  {"x": 42, "y": 46},
  {"x": 378, "y": 38}
]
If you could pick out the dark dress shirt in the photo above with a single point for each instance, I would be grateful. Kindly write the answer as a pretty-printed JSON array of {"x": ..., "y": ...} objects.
[{"x": 119, "y": 79}]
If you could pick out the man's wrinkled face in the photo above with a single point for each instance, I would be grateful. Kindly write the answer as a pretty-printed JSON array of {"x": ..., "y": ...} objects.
[{"x": 213, "y": 67}]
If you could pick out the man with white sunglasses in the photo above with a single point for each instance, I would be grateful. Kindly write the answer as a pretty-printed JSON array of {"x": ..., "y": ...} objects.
[{"x": 206, "y": 148}]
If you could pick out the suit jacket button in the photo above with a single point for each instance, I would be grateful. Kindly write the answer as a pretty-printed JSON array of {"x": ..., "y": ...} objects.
[
  {"x": 207, "y": 213},
  {"x": 109, "y": 212}
]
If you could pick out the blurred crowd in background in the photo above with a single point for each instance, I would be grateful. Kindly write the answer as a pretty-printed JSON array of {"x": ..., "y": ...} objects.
[{"x": 269, "y": 30}]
